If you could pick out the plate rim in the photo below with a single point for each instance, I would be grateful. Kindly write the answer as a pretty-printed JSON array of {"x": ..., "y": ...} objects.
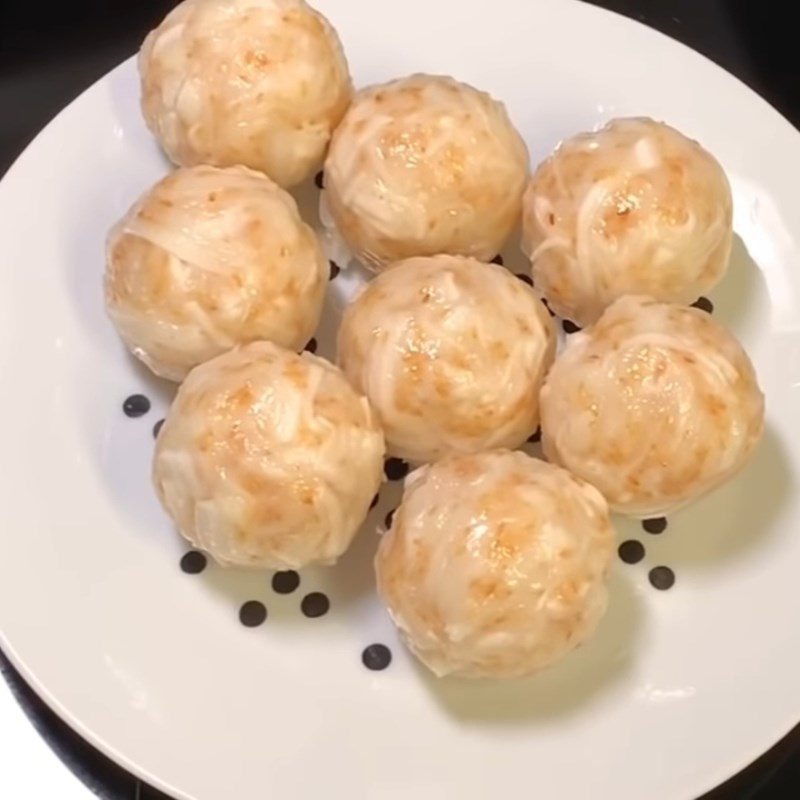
[{"x": 73, "y": 720}]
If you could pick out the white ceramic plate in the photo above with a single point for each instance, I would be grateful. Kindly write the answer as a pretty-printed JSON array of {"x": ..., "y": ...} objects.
[{"x": 678, "y": 690}]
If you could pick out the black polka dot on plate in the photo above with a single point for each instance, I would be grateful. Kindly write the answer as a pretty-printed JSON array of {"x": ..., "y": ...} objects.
[
  {"x": 193, "y": 562},
  {"x": 285, "y": 582},
  {"x": 137, "y": 405},
  {"x": 315, "y": 604},
  {"x": 655, "y": 525},
  {"x": 661, "y": 578},
  {"x": 704, "y": 304},
  {"x": 374, "y": 501},
  {"x": 157, "y": 428},
  {"x": 376, "y": 657},
  {"x": 569, "y": 326},
  {"x": 395, "y": 469},
  {"x": 498, "y": 259},
  {"x": 525, "y": 278},
  {"x": 536, "y": 436},
  {"x": 319, "y": 180},
  {"x": 311, "y": 347},
  {"x": 252, "y": 614},
  {"x": 631, "y": 551},
  {"x": 388, "y": 520},
  {"x": 335, "y": 270}
]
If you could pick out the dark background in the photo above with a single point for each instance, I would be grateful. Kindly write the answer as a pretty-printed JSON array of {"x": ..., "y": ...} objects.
[{"x": 47, "y": 57}]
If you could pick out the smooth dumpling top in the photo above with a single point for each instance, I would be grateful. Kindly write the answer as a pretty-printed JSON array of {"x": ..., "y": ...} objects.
[
  {"x": 654, "y": 405},
  {"x": 495, "y": 564},
  {"x": 451, "y": 353},
  {"x": 210, "y": 258},
  {"x": 425, "y": 165},
  {"x": 256, "y": 82},
  {"x": 268, "y": 458},
  {"x": 633, "y": 208}
]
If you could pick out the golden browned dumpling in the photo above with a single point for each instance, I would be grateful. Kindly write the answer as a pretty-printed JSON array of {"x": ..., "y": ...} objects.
[
  {"x": 451, "y": 353},
  {"x": 634, "y": 208},
  {"x": 268, "y": 458},
  {"x": 256, "y": 82},
  {"x": 210, "y": 258},
  {"x": 425, "y": 165},
  {"x": 495, "y": 564},
  {"x": 655, "y": 405}
]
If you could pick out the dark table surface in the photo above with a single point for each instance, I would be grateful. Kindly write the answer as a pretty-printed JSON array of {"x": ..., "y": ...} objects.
[{"x": 48, "y": 57}]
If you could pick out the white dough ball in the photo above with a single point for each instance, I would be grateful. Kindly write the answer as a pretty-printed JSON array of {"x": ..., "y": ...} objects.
[
  {"x": 425, "y": 165},
  {"x": 256, "y": 82},
  {"x": 210, "y": 258},
  {"x": 268, "y": 459},
  {"x": 655, "y": 405},
  {"x": 495, "y": 565},
  {"x": 634, "y": 208},
  {"x": 451, "y": 353}
]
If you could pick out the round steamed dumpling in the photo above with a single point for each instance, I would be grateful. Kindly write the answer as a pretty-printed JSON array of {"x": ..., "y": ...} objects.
[
  {"x": 268, "y": 458},
  {"x": 654, "y": 405},
  {"x": 425, "y": 165},
  {"x": 634, "y": 208},
  {"x": 495, "y": 564},
  {"x": 451, "y": 354},
  {"x": 255, "y": 82},
  {"x": 210, "y": 258}
]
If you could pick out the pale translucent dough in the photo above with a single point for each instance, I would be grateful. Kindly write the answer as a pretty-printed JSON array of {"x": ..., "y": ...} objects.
[
  {"x": 451, "y": 353},
  {"x": 256, "y": 82},
  {"x": 655, "y": 405},
  {"x": 634, "y": 208},
  {"x": 210, "y": 258},
  {"x": 495, "y": 565},
  {"x": 268, "y": 459},
  {"x": 425, "y": 165}
]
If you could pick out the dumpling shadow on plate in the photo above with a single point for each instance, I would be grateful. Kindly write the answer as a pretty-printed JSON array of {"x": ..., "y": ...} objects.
[
  {"x": 158, "y": 389},
  {"x": 736, "y": 518},
  {"x": 351, "y": 581},
  {"x": 739, "y": 297},
  {"x": 120, "y": 447},
  {"x": 306, "y": 196},
  {"x": 565, "y": 688},
  {"x": 347, "y": 584},
  {"x": 235, "y": 586}
]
